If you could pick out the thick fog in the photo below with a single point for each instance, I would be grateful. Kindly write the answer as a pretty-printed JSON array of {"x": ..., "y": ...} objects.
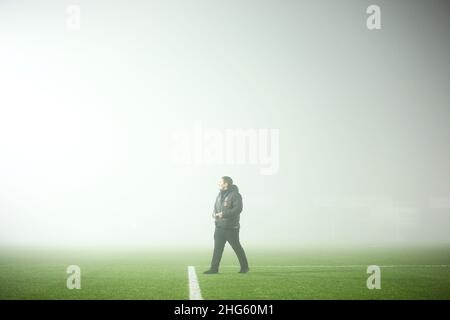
[{"x": 117, "y": 118}]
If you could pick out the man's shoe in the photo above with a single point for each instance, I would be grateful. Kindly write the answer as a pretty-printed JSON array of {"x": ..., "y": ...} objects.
[
  {"x": 210, "y": 271},
  {"x": 245, "y": 270}
]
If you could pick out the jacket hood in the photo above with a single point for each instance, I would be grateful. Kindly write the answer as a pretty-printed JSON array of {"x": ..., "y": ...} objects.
[{"x": 234, "y": 188}]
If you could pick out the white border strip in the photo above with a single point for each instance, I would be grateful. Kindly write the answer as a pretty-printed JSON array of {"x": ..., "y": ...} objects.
[{"x": 194, "y": 287}]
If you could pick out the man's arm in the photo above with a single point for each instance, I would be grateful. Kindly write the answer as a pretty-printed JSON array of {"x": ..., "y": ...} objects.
[
  {"x": 216, "y": 215},
  {"x": 214, "y": 210},
  {"x": 234, "y": 209}
]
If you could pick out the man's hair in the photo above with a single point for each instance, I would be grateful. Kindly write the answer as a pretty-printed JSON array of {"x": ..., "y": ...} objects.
[{"x": 228, "y": 180}]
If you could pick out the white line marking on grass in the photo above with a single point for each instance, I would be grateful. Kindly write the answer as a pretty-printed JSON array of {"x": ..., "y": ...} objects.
[
  {"x": 350, "y": 266},
  {"x": 194, "y": 287}
]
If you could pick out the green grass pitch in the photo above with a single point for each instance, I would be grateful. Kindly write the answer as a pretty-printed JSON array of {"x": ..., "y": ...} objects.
[{"x": 274, "y": 274}]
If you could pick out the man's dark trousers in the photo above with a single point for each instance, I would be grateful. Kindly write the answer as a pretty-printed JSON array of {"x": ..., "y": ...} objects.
[{"x": 221, "y": 236}]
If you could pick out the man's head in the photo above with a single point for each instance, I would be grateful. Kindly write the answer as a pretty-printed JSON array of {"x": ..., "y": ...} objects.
[{"x": 225, "y": 182}]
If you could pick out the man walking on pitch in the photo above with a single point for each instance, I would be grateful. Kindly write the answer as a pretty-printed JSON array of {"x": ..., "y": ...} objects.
[{"x": 227, "y": 210}]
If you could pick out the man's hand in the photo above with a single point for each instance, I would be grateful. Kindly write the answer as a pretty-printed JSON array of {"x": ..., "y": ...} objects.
[{"x": 219, "y": 215}]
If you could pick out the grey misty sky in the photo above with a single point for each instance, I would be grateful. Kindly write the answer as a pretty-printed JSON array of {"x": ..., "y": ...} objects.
[{"x": 87, "y": 116}]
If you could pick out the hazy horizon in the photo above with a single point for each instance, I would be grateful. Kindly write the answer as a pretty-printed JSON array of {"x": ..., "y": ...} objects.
[{"x": 348, "y": 128}]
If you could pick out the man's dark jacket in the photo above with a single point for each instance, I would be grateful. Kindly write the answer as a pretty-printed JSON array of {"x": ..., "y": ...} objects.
[{"x": 229, "y": 202}]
